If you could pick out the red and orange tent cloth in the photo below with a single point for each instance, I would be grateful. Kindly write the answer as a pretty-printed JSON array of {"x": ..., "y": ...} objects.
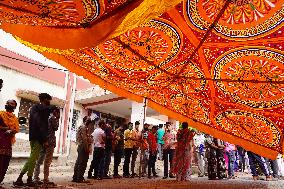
[{"x": 218, "y": 64}]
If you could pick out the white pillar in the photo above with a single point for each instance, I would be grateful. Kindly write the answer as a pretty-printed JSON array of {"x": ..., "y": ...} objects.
[
  {"x": 138, "y": 112},
  {"x": 174, "y": 122},
  {"x": 70, "y": 88},
  {"x": 70, "y": 116}
]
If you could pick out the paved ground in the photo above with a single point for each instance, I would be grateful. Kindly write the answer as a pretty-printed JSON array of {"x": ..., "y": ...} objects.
[
  {"x": 62, "y": 175},
  {"x": 243, "y": 182}
]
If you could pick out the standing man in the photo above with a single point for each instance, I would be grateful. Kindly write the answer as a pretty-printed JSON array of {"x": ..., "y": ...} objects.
[
  {"x": 84, "y": 141},
  {"x": 9, "y": 126},
  {"x": 230, "y": 151},
  {"x": 97, "y": 164},
  {"x": 128, "y": 148},
  {"x": 199, "y": 144},
  {"x": 136, "y": 142},
  {"x": 46, "y": 154},
  {"x": 160, "y": 134},
  {"x": 38, "y": 132},
  {"x": 108, "y": 150},
  {"x": 144, "y": 147},
  {"x": 118, "y": 149},
  {"x": 153, "y": 147},
  {"x": 168, "y": 152},
  {"x": 242, "y": 158}
]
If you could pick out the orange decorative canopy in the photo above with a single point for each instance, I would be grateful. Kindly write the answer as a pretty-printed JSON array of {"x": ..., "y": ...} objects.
[{"x": 218, "y": 64}]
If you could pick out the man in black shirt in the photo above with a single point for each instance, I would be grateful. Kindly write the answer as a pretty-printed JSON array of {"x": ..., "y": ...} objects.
[{"x": 38, "y": 132}]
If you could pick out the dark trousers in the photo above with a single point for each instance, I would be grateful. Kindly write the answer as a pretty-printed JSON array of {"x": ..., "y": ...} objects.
[
  {"x": 81, "y": 163},
  {"x": 127, "y": 156},
  {"x": 107, "y": 160},
  {"x": 4, "y": 164},
  {"x": 152, "y": 163},
  {"x": 254, "y": 158},
  {"x": 117, "y": 159},
  {"x": 242, "y": 162},
  {"x": 97, "y": 164},
  {"x": 168, "y": 155}
]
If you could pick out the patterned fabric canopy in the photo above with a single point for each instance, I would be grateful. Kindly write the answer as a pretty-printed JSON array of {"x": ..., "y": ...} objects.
[{"x": 217, "y": 64}]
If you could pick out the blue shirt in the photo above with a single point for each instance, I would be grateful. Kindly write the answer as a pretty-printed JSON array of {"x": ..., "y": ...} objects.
[{"x": 160, "y": 134}]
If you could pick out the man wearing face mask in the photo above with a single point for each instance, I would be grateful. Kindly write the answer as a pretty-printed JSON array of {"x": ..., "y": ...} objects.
[
  {"x": 9, "y": 126},
  {"x": 38, "y": 133}
]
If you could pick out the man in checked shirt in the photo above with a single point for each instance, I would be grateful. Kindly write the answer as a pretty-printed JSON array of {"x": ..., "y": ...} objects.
[{"x": 84, "y": 141}]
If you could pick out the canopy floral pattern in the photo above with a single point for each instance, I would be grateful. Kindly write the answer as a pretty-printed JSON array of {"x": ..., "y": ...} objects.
[{"x": 217, "y": 64}]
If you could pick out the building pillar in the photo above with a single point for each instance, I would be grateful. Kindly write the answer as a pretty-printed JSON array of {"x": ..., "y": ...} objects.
[
  {"x": 174, "y": 122},
  {"x": 70, "y": 88},
  {"x": 138, "y": 112}
]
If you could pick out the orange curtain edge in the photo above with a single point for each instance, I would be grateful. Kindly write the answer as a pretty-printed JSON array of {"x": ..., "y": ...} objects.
[{"x": 70, "y": 38}]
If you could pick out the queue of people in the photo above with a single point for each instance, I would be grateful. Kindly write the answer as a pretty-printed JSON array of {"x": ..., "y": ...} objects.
[
  {"x": 176, "y": 148},
  {"x": 215, "y": 158},
  {"x": 219, "y": 160}
]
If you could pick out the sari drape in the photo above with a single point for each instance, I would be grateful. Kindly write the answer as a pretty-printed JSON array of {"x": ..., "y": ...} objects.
[{"x": 183, "y": 155}]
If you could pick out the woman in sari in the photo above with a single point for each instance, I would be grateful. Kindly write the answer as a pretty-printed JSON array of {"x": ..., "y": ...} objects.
[
  {"x": 9, "y": 126},
  {"x": 182, "y": 158}
]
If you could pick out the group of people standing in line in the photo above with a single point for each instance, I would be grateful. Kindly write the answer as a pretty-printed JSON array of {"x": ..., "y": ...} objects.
[
  {"x": 176, "y": 148},
  {"x": 216, "y": 159},
  {"x": 126, "y": 140},
  {"x": 219, "y": 160}
]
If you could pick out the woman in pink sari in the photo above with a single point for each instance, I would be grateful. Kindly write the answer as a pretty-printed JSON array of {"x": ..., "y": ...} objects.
[{"x": 182, "y": 158}]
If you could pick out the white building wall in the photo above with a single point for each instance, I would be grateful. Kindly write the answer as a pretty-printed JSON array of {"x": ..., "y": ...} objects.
[{"x": 14, "y": 80}]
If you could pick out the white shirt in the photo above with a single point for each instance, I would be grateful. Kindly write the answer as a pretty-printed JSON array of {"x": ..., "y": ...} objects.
[
  {"x": 99, "y": 138},
  {"x": 174, "y": 139},
  {"x": 198, "y": 140}
]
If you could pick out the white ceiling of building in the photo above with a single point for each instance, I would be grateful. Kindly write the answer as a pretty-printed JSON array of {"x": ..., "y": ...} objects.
[{"x": 121, "y": 108}]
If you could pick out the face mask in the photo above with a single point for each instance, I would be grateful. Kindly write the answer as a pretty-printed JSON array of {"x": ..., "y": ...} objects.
[{"x": 9, "y": 107}]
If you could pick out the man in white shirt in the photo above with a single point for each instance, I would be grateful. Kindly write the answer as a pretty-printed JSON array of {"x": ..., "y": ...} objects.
[
  {"x": 199, "y": 140},
  {"x": 97, "y": 164}
]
